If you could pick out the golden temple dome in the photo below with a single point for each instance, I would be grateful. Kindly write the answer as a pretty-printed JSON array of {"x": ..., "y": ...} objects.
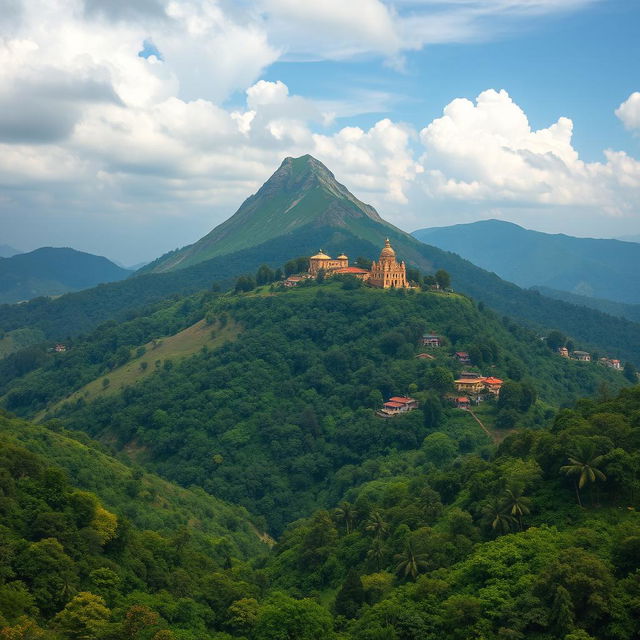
[
  {"x": 387, "y": 252},
  {"x": 342, "y": 257},
  {"x": 320, "y": 256}
]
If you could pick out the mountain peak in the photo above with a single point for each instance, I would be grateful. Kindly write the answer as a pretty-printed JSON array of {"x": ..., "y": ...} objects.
[{"x": 302, "y": 192}]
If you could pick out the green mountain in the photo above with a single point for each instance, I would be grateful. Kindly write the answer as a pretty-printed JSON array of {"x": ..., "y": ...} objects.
[
  {"x": 301, "y": 193},
  {"x": 331, "y": 219},
  {"x": 52, "y": 271},
  {"x": 599, "y": 268}
]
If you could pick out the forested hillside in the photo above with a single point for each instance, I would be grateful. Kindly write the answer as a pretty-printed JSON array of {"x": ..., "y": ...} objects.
[
  {"x": 536, "y": 538},
  {"x": 268, "y": 419},
  {"x": 92, "y": 548}
]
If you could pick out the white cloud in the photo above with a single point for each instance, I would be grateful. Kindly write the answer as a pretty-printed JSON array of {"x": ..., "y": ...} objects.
[
  {"x": 486, "y": 152},
  {"x": 629, "y": 111}
]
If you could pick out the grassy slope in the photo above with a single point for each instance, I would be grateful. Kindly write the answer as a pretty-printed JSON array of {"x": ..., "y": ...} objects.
[{"x": 176, "y": 347}]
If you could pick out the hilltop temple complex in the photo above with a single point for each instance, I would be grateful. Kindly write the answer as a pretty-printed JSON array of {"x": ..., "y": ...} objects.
[{"x": 387, "y": 272}]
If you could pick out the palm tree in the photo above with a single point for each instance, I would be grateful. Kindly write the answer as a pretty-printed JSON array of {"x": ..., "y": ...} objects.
[
  {"x": 410, "y": 563},
  {"x": 376, "y": 552},
  {"x": 583, "y": 465},
  {"x": 516, "y": 504},
  {"x": 495, "y": 514},
  {"x": 377, "y": 525},
  {"x": 346, "y": 513}
]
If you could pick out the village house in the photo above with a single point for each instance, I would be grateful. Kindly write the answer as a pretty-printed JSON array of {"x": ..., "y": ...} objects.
[
  {"x": 611, "y": 363},
  {"x": 563, "y": 351},
  {"x": 462, "y": 402},
  {"x": 293, "y": 281},
  {"x": 493, "y": 385},
  {"x": 463, "y": 357},
  {"x": 478, "y": 385},
  {"x": 582, "y": 356},
  {"x": 397, "y": 405},
  {"x": 60, "y": 348},
  {"x": 469, "y": 385},
  {"x": 430, "y": 340}
]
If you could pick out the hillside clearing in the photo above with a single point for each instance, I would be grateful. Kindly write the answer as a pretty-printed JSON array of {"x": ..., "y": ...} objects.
[{"x": 156, "y": 354}]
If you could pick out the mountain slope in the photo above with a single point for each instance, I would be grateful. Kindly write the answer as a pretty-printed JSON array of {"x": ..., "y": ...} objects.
[
  {"x": 600, "y": 268},
  {"x": 53, "y": 271},
  {"x": 619, "y": 309},
  {"x": 301, "y": 192}
]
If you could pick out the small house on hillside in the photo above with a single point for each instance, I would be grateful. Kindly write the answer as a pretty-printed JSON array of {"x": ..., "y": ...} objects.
[
  {"x": 611, "y": 363},
  {"x": 60, "y": 348},
  {"x": 462, "y": 402},
  {"x": 293, "y": 281},
  {"x": 397, "y": 405},
  {"x": 563, "y": 351},
  {"x": 493, "y": 385},
  {"x": 583, "y": 356},
  {"x": 463, "y": 357},
  {"x": 469, "y": 385},
  {"x": 430, "y": 340}
]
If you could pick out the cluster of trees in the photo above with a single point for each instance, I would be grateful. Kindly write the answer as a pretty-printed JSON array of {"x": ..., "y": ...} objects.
[{"x": 72, "y": 569}]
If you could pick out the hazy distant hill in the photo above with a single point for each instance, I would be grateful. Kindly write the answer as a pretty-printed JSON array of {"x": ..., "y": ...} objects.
[
  {"x": 584, "y": 266},
  {"x": 6, "y": 251},
  {"x": 619, "y": 309},
  {"x": 52, "y": 271},
  {"x": 331, "y": 219}
]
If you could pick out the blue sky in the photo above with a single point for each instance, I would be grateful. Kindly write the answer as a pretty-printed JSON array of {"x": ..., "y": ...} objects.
[
  {"x": 581, "y": 64},
  {"x": 434, "y": 111}
]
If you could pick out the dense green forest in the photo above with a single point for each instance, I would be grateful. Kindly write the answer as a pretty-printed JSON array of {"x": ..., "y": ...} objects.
[
  {"x": 517, "y": 523},
  {"x": 537, "y": 538}
]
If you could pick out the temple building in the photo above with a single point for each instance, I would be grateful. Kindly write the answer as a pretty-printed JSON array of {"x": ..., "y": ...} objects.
[
  {"x": 385, "y": 273},
  {"x": 388, "y": 272}
]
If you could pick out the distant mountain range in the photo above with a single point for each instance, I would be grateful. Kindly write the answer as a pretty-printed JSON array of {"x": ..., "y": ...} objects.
[
  {"x": 53, "y": 271},
  {"x": 599, "y": 268},
  {"x": 6, "y": 251},
  {"x": 299, "y": 210}
]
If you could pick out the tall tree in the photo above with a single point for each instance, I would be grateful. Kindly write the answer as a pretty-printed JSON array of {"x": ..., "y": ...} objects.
[
  {"x": 410, "y": 563},
  {"x": 583, "y": 468}
]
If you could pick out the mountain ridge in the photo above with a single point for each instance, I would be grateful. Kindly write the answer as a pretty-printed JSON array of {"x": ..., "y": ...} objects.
[
  {"x": 592, "y": 267},
  {"x": 49, "y": 271}
]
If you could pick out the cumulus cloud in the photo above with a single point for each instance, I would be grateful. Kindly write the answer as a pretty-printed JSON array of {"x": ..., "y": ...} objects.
[
  {"x": 629, "y": 111},
  {"x": 487, "y": 152}
]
